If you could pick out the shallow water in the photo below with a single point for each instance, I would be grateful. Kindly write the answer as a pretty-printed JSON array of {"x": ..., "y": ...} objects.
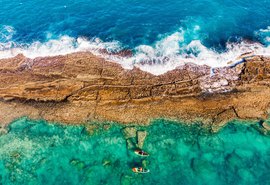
[{"x": 35, "y": 152}]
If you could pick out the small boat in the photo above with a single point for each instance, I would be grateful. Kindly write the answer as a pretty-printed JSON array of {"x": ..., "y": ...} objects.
[
  {"x": 141, "y": 153},
  {"x": 140, "y": 170}
]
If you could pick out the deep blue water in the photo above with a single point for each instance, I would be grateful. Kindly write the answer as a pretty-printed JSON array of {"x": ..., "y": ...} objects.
[
  {"x": 154, "y": 29},
  {"x": 135, "y": 22},
  {"x": 35, "y": 152}
]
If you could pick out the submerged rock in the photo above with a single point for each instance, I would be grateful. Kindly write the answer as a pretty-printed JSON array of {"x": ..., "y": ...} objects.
[
  {"x": 130, "y": 136},
  {"x": 266, "y": 126},
  {"x": 3, "y": 131},
  {"x": 106, "y": 162},
  {"x": 106, "y": 126},
  {"x": 141, "y": 135},
  {"x": 129, "y": 132},
  {"x": 184, "y": 153},
  {"x": 127, "y": 180},
  {"x": 77, "y": 163},
  {"x": 131, "y": 144},
  {"x": 91, "y": 128},
  {"x": 145, "y": 163}
]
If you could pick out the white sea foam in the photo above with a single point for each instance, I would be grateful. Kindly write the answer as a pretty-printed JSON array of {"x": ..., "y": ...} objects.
[
  {"x": 167, "y": 54},
  {"x": 205, "y": 56},
  {"x": 267, "y": 30},
  {"x": 62, "y": 46},
  {"x": 264, "y": 35},
  {"x": 6, "y": 33}
]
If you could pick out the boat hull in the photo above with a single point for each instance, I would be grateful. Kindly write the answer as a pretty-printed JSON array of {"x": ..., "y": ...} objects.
[{"x": 140, "y": 170}]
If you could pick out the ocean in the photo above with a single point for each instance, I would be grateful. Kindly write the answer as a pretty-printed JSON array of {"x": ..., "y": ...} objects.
[
  {"x": 162, "y": 34},
  {"x": 37, "y": 152}
]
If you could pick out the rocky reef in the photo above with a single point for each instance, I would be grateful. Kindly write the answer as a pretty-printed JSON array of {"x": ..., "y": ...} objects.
[{"x": 81, "y": 87}]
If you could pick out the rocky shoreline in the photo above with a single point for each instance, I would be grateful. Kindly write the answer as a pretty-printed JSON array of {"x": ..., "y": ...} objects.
[{"x": 80, "y": 87}]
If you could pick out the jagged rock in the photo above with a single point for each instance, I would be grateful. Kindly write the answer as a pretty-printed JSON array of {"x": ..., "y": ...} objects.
[
  {"x": 129, "y": 132},
  {"x": 141, "y": 135},
  {"x": 223, "y": 117},
  {"x": 81, "y": 87}
]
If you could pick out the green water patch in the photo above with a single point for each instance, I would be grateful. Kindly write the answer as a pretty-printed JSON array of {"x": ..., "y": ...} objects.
[{"x": 37, "y": 152}]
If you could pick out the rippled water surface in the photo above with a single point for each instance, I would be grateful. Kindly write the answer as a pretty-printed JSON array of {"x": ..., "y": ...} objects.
[
  {"x": 135, "y": 22},
  {"x": 166, "y": 33},
  {"x": 35, "y": 152}
]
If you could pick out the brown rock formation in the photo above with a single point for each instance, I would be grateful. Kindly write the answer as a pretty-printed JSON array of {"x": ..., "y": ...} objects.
[{"x": 80, "y": 87}]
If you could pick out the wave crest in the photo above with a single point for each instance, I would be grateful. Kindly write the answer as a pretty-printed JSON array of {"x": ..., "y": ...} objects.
[
  {"x": 264, "y": 34},
  {"x": 62, "y": 46},
  {"x": 175, "y": 50},
  {"x": 166, "y": 54}
]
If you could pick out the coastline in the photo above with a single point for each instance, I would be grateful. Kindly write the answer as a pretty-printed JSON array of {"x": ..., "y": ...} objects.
[
  {"x": 80, "y": 87},
  {"x": 128, "y": 129}
]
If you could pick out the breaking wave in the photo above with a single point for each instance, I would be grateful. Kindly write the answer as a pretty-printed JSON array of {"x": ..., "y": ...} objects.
[
  {"x": 170, "y": 52},
  {"x": 61, "y": 46}
]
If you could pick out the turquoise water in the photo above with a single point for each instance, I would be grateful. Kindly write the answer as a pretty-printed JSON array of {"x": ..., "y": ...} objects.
[
  {"x": 162, "y": 35},
  {"x": 135, "y": 22},
  {"x": 208, "y": 31},
  {"x": 35, "y": 152}
]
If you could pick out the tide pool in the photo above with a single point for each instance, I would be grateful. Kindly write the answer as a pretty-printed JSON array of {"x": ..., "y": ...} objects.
[{"x": 37, "y": 152}]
